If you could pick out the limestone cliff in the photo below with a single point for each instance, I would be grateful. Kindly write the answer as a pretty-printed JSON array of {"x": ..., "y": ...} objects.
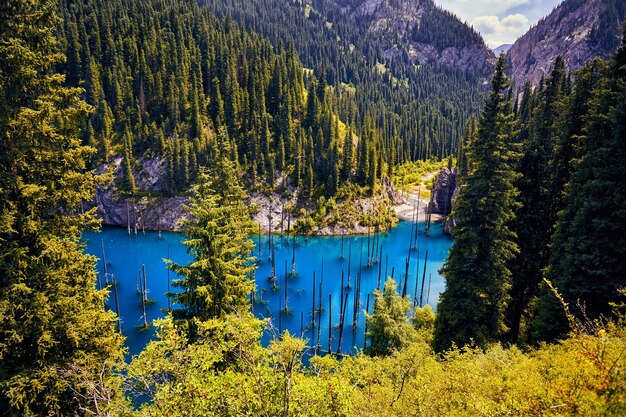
[
  {"x": 441, "y": 195},
  {"x": 149, "y": 209}
]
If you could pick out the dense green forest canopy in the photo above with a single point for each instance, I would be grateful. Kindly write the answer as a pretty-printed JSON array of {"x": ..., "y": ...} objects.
[
  {"x": 424, "y": 106},
  {"x": 542, "y": 198},
  {"x": 163, "y": 78},
  {"x": 60, "y": 353}
]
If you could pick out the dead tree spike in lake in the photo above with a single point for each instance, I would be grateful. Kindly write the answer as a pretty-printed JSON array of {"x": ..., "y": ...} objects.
[
  {"x": 280, "y": 314},
  {"x": 355, "y": 305},
  {"x": 342, "y": 319},
  {"x": 259, "y": 244},
  {"x": 406, "y": 278},
  {"x": 145, "y": 284},
  {"x": 273, "y": 263},
  {"x": 117, "y": 305},
  {"x": 143, "y": 307},
  {"x": 293, "y": 256},
  {"x": 367, "y": 310},
  {"x": 330, "y": 321},
  {"x": 286, "y": 287},
  {"x": 413, "y": 225},
  {"x": 417, "y": 277},
  {"x": 169, "y": 293},
  {"x": 369, "y": 259},
  {"x": 417, "y": 222},
  {"x": 386, "y": 265},
  {"x": 349, "y": 262},
  {"x": 319, "y": 316},
  {"x": 423, "y": 279},
  {"x": 380, "y": 267},
  {"x": 104, "y": 264}
]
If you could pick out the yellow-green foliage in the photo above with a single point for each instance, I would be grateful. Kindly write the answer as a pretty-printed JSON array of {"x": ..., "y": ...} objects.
[
  {"x": 351, "y": 206},
  {"x": 410, "y": 176},
  {"x": 228, "y": 373}
]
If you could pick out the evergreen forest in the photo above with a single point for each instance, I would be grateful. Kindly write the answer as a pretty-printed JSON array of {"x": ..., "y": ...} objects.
[
  {"x": 533, "y": 318},
  {"x": 168, "y": 79}
]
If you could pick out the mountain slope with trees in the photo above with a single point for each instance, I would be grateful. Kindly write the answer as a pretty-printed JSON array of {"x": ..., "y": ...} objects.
[
  {"x": 577, "y": 30},
  {"x": 422, "y": 107},
  {"x": 170, "y": 83},
  {"x": 566, "y": 224}
]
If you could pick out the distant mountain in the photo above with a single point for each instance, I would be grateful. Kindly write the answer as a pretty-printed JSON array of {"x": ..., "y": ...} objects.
[
  {"x": 420, "y": 30},
  {"x": 502, "y": 48},
  {"x": 578, "y": 30}
]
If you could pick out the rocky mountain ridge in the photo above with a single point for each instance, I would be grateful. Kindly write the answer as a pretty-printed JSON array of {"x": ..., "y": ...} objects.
[
  {"x": 578, "y": 30},
  {"x": 422, "y": 32}
]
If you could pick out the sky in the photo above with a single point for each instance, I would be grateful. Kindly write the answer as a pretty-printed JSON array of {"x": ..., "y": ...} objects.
[{"x": 500, "y": 21}]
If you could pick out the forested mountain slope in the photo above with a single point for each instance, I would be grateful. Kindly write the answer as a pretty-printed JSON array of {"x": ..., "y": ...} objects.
[
  {"x": 170, "y": 85},
  {"x": 419, "y": 30},
  {"x": 578, "y": 30},
  {"x": 425, "y": 106}
]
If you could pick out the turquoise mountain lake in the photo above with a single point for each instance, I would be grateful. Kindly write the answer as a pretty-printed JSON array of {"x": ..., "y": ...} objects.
[{"x": 125, "y": 256}]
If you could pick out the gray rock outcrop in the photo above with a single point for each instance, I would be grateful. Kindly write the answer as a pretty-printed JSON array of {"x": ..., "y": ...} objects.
[
  {"x": 149, "y": 210},
  {"x": 396, "y": 19},
  {"x": 450, "y": 222},
  {"x": 575, "y": 30},
  {"x": 443, "y": 195},
  {"x": 442, "y": 192}
]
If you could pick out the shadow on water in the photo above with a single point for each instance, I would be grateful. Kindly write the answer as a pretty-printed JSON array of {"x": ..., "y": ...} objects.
[{"x": 289, "y": 300}]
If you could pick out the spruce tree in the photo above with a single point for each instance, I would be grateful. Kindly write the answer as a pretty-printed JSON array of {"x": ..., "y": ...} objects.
[
  {"x": 218, "y": 279},
  {"x": 534, "y": 219},
  {"x": 588, "y": 261},
  {"x": 477, "y": 277},
  {"x": 57, "y": 340},
  {"x": 128, "y": 180},
  {"x": 348, "y": 156}
]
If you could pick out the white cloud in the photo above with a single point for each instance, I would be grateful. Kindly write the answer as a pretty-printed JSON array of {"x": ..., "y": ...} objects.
[
  {"x": 516, "y": 21},
  {"x": 480, "y": 7},
  {"x": 494, "y": 29},
  {"x": 500, "y": 21}
]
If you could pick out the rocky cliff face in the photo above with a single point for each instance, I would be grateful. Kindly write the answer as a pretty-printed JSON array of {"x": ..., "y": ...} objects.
[
  {"x": 441, "y": 195},
  {"x": 578, "y": 30},
  {"x": 424, "y": 32},
  {"x": 149, "y": 211}
]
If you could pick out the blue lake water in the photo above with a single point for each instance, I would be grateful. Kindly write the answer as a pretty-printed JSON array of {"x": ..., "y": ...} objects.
[{"x": 126, "y": 255}]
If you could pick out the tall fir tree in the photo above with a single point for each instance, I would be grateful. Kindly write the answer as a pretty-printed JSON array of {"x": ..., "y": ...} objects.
[
  {"x": 534, "y": 219},
  {"x": 477, "y": 277},
  {"x": 57, "y": 340},
  {"x": 218, "y": 279},
  {"x": 588, "y": 261}
]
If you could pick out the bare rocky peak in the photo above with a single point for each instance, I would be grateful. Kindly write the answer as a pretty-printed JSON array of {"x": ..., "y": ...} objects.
[{"x": 578, "y": 30}]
